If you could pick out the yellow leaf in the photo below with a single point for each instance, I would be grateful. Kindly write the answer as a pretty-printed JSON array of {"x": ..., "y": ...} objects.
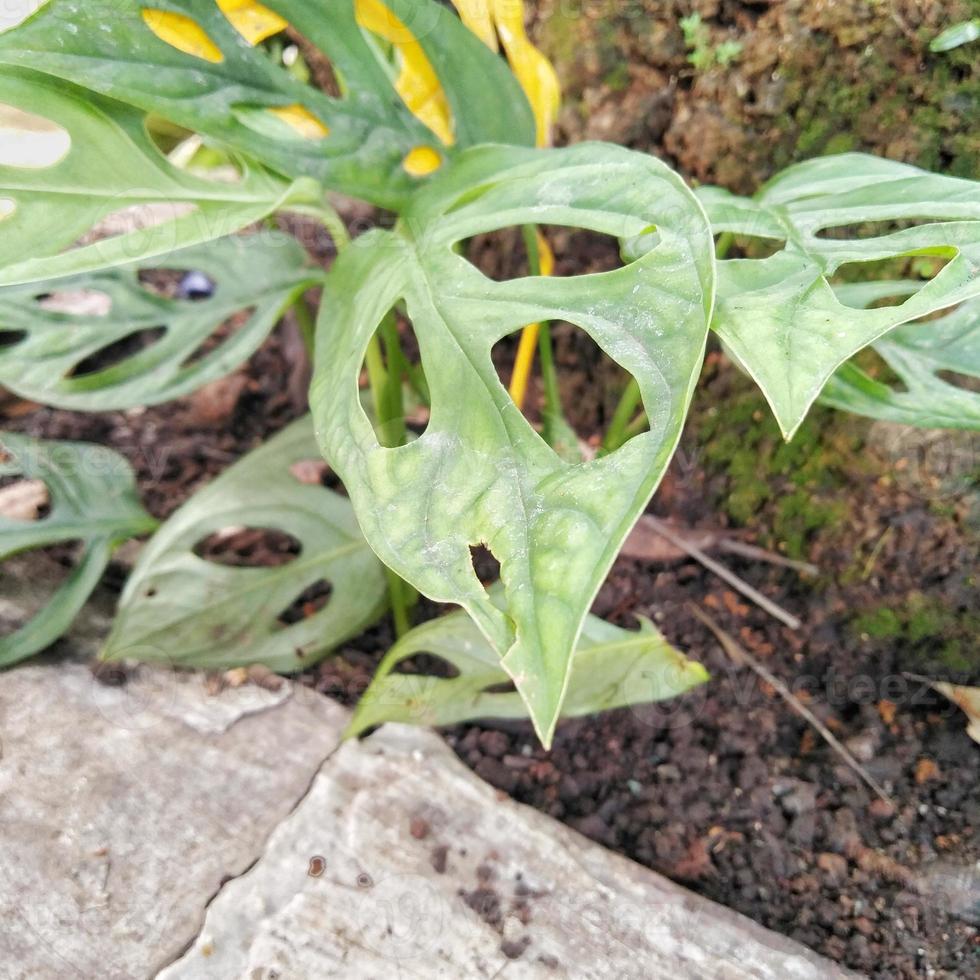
[
  {"x": 529, "y": 336},
  {"x": 490, "y": 19},
  {"x": 968, "y": 700},
  {"x": 182, "y": 33},
  {"x": 417, "y": 83},
  {"x": 422, "y": 160},
  {"x": 534, "y": 71},
  {"x": 475, "y": 14},
  {"x": 253, "y": 21},
  {"x": 302, "y": 120}
]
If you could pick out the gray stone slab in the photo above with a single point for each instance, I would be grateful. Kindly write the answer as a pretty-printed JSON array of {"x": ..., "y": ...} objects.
[
  {"x": 401, "y": 863},
  {"x": 123, "y": 809}
]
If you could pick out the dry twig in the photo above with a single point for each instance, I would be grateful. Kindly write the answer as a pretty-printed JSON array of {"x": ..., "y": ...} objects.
[{"x": 741, "y": 657}]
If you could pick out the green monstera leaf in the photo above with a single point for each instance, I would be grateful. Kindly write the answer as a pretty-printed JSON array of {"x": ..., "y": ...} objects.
[
  {"x": 480, "y": 474},
  {"x": 109, "y": 165},
  {"x": 254, "y": 279},
  {"x": 91, "y": 498},
  {"x": 781, "y": 318},
  {"x": 917, "y": 353},
  {"x": 181, "y": 609},
  {"x": 611, "y": 668},
  {"x": 368, "y": 142}
]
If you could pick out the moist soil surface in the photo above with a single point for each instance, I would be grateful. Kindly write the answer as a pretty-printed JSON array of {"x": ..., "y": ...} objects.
[{"x": 728, "y": 789}]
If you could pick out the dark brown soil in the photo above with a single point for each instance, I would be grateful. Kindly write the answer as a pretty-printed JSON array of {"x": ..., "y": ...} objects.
[{"x": 727, "y": 790}]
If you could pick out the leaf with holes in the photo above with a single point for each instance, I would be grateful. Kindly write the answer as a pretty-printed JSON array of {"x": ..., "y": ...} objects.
[
  {"x": 110, "y": 166},
  {"x": 917, "y": 353},
  {"x": 480, "y": 474},
  {"x": 415, "y": 83},
  {"x": 91, "y": 499},
  {"x": 46, "y": 349},
  {"x": 182, "y": 609},
  {"x": 780, "y": 316},
  {"x": 611, "y": 668}
]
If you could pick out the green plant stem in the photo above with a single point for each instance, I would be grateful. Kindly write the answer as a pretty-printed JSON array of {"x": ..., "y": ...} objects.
[
  {"x": 306, "y": 323},
  {"x": 725, "y": 241},
  {"x": 327, "y": 215},
  {"x": 618, "y": 431},
  {"x": 392, "y": 418},
  {"x": 386, "y": 397},
  {"x": 377, "y": 376}
]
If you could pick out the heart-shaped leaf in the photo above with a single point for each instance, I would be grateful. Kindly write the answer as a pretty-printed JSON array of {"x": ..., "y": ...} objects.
[
  {"x": 91, "y": 498},
  {"x": 611, "y": 668},
  {"x": 780, "y": 316},
  {"x": 367, "y": 142},
  {"x": 253, "y": 278},
  {"x": 186, "y": 610},
  {"x": 111, "y": 165},
  {"x": 917, "y": 353},
  {"x": 480, "y": 474}
]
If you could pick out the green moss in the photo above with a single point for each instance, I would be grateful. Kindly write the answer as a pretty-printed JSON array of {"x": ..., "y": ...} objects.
[
  {"x": 618, "y": 77},
  {"x": 881, "y": 623},
  {"x": 929, "y": 636},
  {"x": 789, "y": 490}
]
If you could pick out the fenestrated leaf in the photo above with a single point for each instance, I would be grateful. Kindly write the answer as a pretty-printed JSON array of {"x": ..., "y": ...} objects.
[
  {"x": 480, "y": 473},
  {"x": 92, "y": 500},
  {"x": 364, "y": 136},
  {"x": 184, "y": 610},
  {"x": 916, "y": 352},
  {"x": 780, "y": 316},
  {"x": 254, "y": 278},
  {"x": 611, "y": 667},
  {"x": 112, "y": 165}
]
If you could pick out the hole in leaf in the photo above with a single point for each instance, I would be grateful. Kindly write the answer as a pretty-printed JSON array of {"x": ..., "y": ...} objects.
[
  {"x": 504, "y": 687},
  {"x": 502, "y": 255},
  {"x": 590, "y": 384},
  {"x": 187, "y": 284},
  {"x": 23, "y": 500},
  {"x": 252, "y": 20},
  {"x": 290, "y": 122},
  {"x": 416, "y": 83},
  {"x": 30, "y": 141},
  {"x": 165, "y": 135},
  {"x": 77, "y": 302},
  {"x": 753, "y": 247},
  {"x": 873, "y": 229},
  {"x": 31, "y": 580},
  {"x": 403, "y": 395},
  {"x": 183, "y": 33},
  {"x": 117, "y": 352},
  {"x": 308, "y": 603},
  {"x": 967, "y": 382},
  {"x": 317, "y": 473},
  {"x": 151, "y": 221},
  {"x": 7, "y": 207},
  {"x": 220, "y": 337},
  {"x": 876, "y": 367},
  {"x": 921, "y": 268},
  {"x": 249, "y": 547},
  {"x": 485, "y": 565},
  {"x": 426, "y": 665},
  {"x": 10, "y": 338},
  {"x": 309, "y": 472}
]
